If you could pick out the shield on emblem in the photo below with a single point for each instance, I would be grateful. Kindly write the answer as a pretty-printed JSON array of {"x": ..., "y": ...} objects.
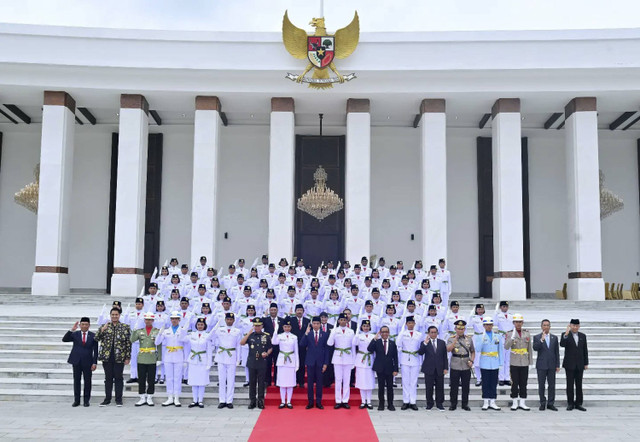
[{"x": 320, "y": 51}]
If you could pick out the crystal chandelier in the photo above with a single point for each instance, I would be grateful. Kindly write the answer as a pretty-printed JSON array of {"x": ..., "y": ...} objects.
[
  {"x": 320, "y": 201},
  {"x": 28, "y": 196},
  {"x": 610, "y": 203}
]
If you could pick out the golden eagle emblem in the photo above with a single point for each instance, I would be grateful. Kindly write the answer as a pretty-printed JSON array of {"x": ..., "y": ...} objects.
[{"x": 320, "y": 49}]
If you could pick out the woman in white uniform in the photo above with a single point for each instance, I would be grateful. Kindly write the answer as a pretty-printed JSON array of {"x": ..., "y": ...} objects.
[
  {"x": 199, "y": 362},
  {"x": 287, "y": 363},
  {"x": 365, "y": 380},
  {"x": 333, "y": 306}
]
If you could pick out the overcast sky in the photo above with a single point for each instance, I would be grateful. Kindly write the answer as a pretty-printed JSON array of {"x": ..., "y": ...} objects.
[{"x": 375, "y": 15}]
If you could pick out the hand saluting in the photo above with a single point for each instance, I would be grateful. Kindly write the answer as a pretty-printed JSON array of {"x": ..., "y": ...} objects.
[{"x": 75, "y": 326}]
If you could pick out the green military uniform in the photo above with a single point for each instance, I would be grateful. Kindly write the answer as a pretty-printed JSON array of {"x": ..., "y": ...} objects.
[
  {"x": 258, "y": 343},
  {"x": 147, "y": 358},
  {"x": 520, "y": 347}
]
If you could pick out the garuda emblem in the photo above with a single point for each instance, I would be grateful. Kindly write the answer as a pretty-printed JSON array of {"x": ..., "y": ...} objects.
[{"x": 320, "y": 49}]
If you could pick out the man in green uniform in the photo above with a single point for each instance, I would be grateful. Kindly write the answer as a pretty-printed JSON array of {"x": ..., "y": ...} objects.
[
  {"x": 259, "y": 344},
  {"x": 147, "y": 358}
]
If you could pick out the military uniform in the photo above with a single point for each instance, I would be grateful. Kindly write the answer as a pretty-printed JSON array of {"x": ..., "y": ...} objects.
[
  {"x": 490, "y": 346},
  {"x": 460, "y": 368},
  {"x": 147, "y": 358},
  {"x": 520, "y": 347},
  {"x": 258, "y": 343}
]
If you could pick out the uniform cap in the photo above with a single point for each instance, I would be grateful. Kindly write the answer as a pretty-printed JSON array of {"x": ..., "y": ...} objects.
[
  {"x": 368, "y": 302},
  {"x": 487, "y": 321},
  {"x": 257, "y": 321},
  {"x": 460, "y": 322},
  {"x": 229, "y": 315},
  {"x": 184, "y": 299},
  {"x": 206, "y": 304},
  {"x": 194, "y": 274},
  {"x": 247, "y": 288},
  {"x": 342, "y": 316},
  {"x": 518, "y": 317},
  {"x": 504, "y": 303},
  {"x": 184, "y": 266},
  {"x": 432, "y": 307},
  {"x": 202, "y": 286},
  {"x": 433, "y": 267},
  {"x": 251, "y": 306},
  {"x": 479, "y": 306},
  {"x": 226, "y": 299},
  {"x": 175, "y": 314},
  {"x": 375, "y": 290},
  {"x": 455, "y": 304},
  {"x": 153, "y": 284},
  {"x": 175, "y": 291},
  {"x": 231, "y": 266},
  {"x": 365, "y": 322},
  {"x": 410, "y": 319},
  {"x": 265, "y": 257},
  {"x": 161, "y": 302},
  {"x": 139, "y": 300},
  {"x": 149, "y": 315},
  {"x": 201, "y": 320},
  {"x": 203, "y": 258}
]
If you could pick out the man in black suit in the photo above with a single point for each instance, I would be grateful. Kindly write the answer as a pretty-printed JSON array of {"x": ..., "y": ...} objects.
[
  {"x": 299, "y": 325},
  {"x": 83, "y": 358},
  {"x": 273, "y": 326},
  {"x": 576, "y": 361},
  {"x": 315, "y": 345},
  {"x": 385, "y": 365},
  {"x": 547, "y": 364},
  {"x": 434, "y": 366},
  {"x": 327, "y": 376}
]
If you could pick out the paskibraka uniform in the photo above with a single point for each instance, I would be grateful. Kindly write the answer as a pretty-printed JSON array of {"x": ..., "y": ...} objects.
[
  {"x": 341, "y": 338},
  {"x": 408, "y": 343},
  {"x": 227, "y": 340}
]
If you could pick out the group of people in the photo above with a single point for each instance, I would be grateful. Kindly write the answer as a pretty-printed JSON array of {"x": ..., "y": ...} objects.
[{"x": 341, "y": 326}]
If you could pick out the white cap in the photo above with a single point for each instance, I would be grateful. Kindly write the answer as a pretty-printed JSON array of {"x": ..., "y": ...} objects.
[{"x": 175, "y": 314}]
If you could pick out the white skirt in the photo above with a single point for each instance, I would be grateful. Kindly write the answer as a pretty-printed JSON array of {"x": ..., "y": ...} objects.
[
  {"x": 365, "y": 379},
  {"x": 286, "y": 377},
  {"x": 198, "y": 375}
]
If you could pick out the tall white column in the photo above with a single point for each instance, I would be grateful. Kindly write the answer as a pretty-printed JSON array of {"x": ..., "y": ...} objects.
[
  {"x": 281, "y": 179},
  {"x": 433, "y": 131},
  {"x": 127, "y": 279},
  {"x": 358, "y": 180},
  {"x": 508, "y": 277},
  {"x": 51, "y": 276},
  {"x": 206, "y": 146},
  {"x": 585, "y": 253}
]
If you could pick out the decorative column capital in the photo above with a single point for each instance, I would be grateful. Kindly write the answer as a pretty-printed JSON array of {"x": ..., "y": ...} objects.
[
  {"x": 134, "y": 101},
  {"x": 208, "y": 103},
  {"x": 580, "y": 104},
  {"x": 358, "y": 105},
  {"x": 60, "y": 98},
  {"x": 282, "y": 104},
  {"x": 505, "y": 105},
  {"x": 432, "y": 105}
]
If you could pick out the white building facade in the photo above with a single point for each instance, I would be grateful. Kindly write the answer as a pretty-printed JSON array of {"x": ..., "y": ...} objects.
[{"x": 556, "y": 108}]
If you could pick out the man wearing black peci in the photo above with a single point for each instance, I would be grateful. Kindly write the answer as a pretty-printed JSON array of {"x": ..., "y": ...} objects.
[
  {"x": 576, "y": 361},
  {"x": 83, "y": 358}
]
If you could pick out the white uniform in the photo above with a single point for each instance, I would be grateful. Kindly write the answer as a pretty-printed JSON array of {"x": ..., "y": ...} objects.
[
  {"x": 341, "y": 338},
  {"x": 504, "y": 323},
  {"x": 135, "y": 320},
  {"x": 199, "y": 361},
  {"x": 374, "y": 319},
  {"x": 408, "y": 343},
  {"x": 227, "y": 340},
  {"x": 365, "y": 379},
  {"x": 478, "y": 329},
  {"x": 394, "y": 325},
  {"x": 445, "y": 284},
  {"x": 173, "y": 343},
  {"x": 288, "y": 360}
]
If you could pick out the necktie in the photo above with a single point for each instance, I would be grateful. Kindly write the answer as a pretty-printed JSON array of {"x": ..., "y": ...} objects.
[
  {"x": 84, "y": 338},
  {"x": 546, "y": 339},
  {"x": 324, "y": 327},
  {"x": 433, "y": 342},
  {"x": 316, "y": 338},
  {"x": 300, "y": 323},
  {"x": 274, "y": 325},
  {"x": 384, "y": 343}
]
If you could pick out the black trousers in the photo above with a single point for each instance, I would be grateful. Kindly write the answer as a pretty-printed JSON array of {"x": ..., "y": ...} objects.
[
  {"x": 314, "y": 377},
  {"x": 458, "y": 376},
  {"x": 79, "y": 372},
  {"x": 146, "y": 374},
  {"x": 113, "y": 373},
  {"x": 519, "y": 376},
  {"x": 271, "y": 365},
  {"x": 385, "y": 381},
  {"x": 548, "y": 376},
  {"x": 574, "y": 376},
  {"x": 256, "y": 383},
  {"x": 302, "y": 354},
  {"x": 489, "y": 383},
  {"x": 431, "y": 380}
]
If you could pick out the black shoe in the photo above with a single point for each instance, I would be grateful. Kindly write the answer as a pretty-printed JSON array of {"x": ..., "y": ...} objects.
[
  {"x": 429, "y": 407},
  {"x": 362, "y": 406},
  {"x": 501, "y": 383},
  {"x": 347, "y": 406},
  {"x": 281, "y": 406},
  {"x": 543, "y": 407},
  {"x": 246, "y": 384},
  {"x": 261, "y": 404},
  {"x": 552, "y": 408},
  {"x": 193, "y": 404},
  {"x": 161, "y": 381},
  {"x": 252, "y": 405},
  {"x": 184, "y": 381},
  {"x": 369, "y": 407},
  {"x": 478, "y": 383},
  {"x": 404, "y": 407},
  {"x": 414, "y": 407},
  {"x": 581, "y": 408},
  {"x": 200, "y": 405},
  {"x": 570, "y": 407},
  {"x": 319, "y": 406},
  {"x": 452, "y": 408},
  {"x": 76, "y": 404},
  {"x": 395, "y": 385},
  {"x": 86, "y": 404},
  {"x": 289, "y": 406},
  {"x": 440, "y": 407},
  {"x": 391, "y": 408},
  {"x": 222, "y": 405},
  {"x": 118, "y": 403},
  {"x": 380, "y": 407},
  {"x": 105, "y": 403},
  {"x": 507, "y": 383},
  {"x": 230, "y": 406},
  {"x": 132, "y": 381},
  {"x": 309, "y": 406},
  {"x": 336, "y": 406},
  {"x": 466, "y": 408}
]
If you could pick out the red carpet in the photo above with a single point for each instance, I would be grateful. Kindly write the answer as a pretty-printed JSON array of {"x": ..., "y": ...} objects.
[{"x": 353, "y": 424}]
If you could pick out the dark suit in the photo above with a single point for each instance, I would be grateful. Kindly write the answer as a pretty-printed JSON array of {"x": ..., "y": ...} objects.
[
  {"x": 546, "y": 363},
  {"x": 433, "y": 366},
  {"x": 576, "y": 357},
  {"x": 82, "y": 357},
  {"x": 273, "y": 357},
  {"x": 384, "y": 365},
  {"x": 299, "y": 332},
  {"x": 317, "y": 355},
  {"x": 328, "y": 375}
]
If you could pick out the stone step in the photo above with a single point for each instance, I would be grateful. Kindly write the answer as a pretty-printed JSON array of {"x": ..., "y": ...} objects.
[{"x": 242, "y": 398}]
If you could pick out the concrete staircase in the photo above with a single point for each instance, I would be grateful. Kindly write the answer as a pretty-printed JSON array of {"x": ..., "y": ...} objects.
[{"x": 33, "y": 358}]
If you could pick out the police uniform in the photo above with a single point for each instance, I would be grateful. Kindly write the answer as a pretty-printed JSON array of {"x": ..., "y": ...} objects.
[
  {"x": 520, "y": 347},
  {"x": 258, "y": 343},
  {"x": 227, "y": 340},
  {"x": 460, "y": 368}
]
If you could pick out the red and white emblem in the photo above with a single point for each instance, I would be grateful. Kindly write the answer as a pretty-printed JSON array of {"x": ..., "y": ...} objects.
[{"x": 320, "y": 51}]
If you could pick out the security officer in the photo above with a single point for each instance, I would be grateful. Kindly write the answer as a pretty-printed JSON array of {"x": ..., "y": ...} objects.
[
  {"x": 259, "y": 344},
  {"x": 519, "y": 343},
  {"x": 490, "y": 345},
  {"x": 462, "y": 354}
]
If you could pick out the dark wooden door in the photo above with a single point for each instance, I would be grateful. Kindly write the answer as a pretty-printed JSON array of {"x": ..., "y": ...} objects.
[
  {"x": 152, "y": 208},
  {"x": 317, "y": 241},
  {"x": 485, "y": 216}
]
